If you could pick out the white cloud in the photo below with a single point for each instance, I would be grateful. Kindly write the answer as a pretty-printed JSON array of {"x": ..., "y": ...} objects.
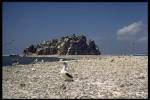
[
  {"x": 129, "y": 31},
  {"x": 142, "y": 39}
]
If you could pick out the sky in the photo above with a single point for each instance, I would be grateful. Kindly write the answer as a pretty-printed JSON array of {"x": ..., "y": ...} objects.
[{"x": 117, "y": 28}]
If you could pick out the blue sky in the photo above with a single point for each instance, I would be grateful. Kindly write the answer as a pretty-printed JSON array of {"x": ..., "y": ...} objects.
[{"x": 116, "y": 27}]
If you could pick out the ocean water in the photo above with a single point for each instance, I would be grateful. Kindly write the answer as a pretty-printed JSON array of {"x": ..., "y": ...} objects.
[{"x": 7, "y": 60}]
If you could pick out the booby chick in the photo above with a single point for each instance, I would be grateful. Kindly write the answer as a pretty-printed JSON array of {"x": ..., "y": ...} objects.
[{"x": 65, "y": 74}]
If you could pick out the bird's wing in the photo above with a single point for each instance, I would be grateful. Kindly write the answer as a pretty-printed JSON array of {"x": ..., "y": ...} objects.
[{"x": 68, "y": 75}]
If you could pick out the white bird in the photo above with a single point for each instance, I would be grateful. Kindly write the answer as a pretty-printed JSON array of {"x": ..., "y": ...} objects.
[
  {"x": 35, "y": 61},
  {"x": 61, "y": 60},
  {"x": 15, "y": 60},
  {"x": 15, "y": 63},
  {"x": 33, "y": 69},
  {"x": 42, "y": 61},
  {"x": 65, "y": 74}
]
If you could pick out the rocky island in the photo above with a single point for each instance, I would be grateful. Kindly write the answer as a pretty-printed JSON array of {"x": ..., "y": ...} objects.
[{"x": 66, "y": 45}]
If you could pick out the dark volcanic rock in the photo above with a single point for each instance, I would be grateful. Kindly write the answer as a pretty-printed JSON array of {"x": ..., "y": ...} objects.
[
  {"x": 30, "y": 50},
  {"x": 67, "y": 45}
]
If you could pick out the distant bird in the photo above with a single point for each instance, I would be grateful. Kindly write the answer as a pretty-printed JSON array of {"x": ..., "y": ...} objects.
[
  {"x": 35, "y": 61},
  {"x": 61, "y": 60},
  {"x": 42, "y": 60},
  {"x": 15, "y": 63},
  {"x": 33, "y": 69},
  {"x": 65, "y": 74},
  {"x": 15, "y": 59}
]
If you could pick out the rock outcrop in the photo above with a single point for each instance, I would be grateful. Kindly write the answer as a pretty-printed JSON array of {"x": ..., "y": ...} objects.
[{"x": 67, "y": 45}]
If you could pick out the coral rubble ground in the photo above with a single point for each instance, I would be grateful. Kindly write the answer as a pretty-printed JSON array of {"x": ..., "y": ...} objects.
[{"x": 94, "y": 77}]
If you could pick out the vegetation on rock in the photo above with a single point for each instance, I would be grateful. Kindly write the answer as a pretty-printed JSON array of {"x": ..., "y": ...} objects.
[{"x": 66, "y": 45}]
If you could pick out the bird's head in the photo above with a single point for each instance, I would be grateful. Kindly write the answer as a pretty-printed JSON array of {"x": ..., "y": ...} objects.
[
  {"x": 60, "y": 60},
  {"x": 65, "y": 63}
]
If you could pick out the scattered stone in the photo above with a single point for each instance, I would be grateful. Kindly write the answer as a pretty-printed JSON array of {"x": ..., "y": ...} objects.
[
  {"x": 141, "y": 77},
  {"x": 22, "y": 84},
  {"x": 122, "y": 85},
  {"x": 93, "y": 78},
  {"x": 112, "y": 60},
  {"x": 63, "y": 87},
  {"x": 85, "y": 97},
  {"x": 17, "y": 71}
]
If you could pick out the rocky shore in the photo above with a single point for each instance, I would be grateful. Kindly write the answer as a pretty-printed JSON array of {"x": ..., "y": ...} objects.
[{"x": 99, "y": 77}]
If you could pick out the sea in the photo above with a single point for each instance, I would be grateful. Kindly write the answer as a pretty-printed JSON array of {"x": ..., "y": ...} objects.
[{"x": 7, "y": 60}]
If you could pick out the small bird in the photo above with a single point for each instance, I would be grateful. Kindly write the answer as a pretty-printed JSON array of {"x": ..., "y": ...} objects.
[
  {"x": 42, "y": 60},
  {"x": 65, "y": 74},
  {"x": 35, "y": 61},
  {"x": 15, "y": 63},
  {"x": 61, "y": 60}
]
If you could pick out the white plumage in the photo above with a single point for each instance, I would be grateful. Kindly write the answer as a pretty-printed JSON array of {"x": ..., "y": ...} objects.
[
  {"x": 42, "y": 61},
  {"x": 15, "y": 63},
  {"x": 65, "y": 74},
  {"x": 60, "y": 60},
  {"x": 35, "y": 61}
]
